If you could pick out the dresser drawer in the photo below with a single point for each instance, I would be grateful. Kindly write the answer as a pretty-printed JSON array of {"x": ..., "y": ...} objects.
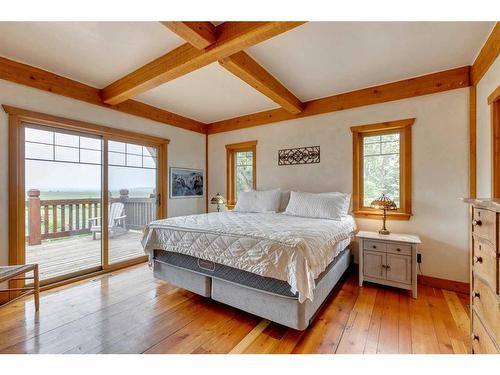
[
  {"x": 374, "y": 245},
  {"x": 402, "y": 249},
  {"x": 484, "y": 224},
  {"x": 485, "y": 263},
  {"x": 481, "y": 341},
  {"x": 487, "y": 304}
]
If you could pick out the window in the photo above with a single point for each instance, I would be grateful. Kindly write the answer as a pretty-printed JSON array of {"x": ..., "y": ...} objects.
[
  {"x": 241, "y": 170},
  {"x": 382, "y": 165}
]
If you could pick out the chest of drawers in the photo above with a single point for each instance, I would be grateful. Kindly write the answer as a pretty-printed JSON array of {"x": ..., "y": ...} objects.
[{"x": 485, "y": 287}]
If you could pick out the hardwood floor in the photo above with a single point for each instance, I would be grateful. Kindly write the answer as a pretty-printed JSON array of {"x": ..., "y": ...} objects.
[{"x": 130, "y": 312}]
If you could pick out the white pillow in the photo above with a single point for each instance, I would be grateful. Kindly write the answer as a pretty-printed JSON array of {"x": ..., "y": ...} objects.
[
  {"x": 345, "y": 196},
  {"x": 322, "y": 205},
  {"x": 258, "y": 201}
]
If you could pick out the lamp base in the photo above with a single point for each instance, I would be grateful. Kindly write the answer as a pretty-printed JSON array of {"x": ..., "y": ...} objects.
[{"x": 385, "y": 232}]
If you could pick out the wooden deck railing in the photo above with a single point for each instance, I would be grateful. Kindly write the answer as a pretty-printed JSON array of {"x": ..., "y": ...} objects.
[{"x": 57, "y": 218}]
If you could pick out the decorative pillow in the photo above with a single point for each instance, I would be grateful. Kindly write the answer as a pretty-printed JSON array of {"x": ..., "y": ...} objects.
[
  {"x": 322, "y": 205},
  {"x": 258, "y": 201}
]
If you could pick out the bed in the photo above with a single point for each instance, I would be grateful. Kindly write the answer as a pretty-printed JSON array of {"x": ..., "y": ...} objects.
[{"x": 273, "y": 265}]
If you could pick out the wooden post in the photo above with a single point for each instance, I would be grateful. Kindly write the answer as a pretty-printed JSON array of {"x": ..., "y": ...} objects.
[{"x": 35, "y": 220}]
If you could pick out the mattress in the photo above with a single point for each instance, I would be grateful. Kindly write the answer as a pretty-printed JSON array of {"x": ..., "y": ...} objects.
[
  {"x": 234, "y": 275},
  {"x": 288, "y": 248}
]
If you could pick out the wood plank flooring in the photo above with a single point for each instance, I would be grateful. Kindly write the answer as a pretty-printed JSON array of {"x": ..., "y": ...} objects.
[{"x": 129, "y": 311}]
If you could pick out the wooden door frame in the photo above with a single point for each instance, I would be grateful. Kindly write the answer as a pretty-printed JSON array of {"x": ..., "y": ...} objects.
[
  {"x": 17, "y": 118},
  {"x": 494, "y": 102}
]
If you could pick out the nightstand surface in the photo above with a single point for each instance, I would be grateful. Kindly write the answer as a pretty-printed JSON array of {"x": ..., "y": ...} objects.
[{"x": 396, "y": 237}]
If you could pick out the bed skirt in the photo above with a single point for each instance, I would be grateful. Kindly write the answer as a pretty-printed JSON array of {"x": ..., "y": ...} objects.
[{"x": 261, "y": 296}]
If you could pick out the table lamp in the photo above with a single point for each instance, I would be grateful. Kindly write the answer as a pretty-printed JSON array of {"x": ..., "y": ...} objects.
[
  {"x": 384, "y": 203},
  {"x": 218, "y": 200}
]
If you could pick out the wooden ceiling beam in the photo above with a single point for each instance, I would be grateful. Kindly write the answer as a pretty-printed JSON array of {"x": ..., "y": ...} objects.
[
  {"x": 249, "y": 70},
  {"x": 487, "y": 55},
  {"x": 198, "y": 34},
  {"x": 46, "y": 81},
  {"x": 423, "y": 85},
  {"x": 232, "y": 37}
]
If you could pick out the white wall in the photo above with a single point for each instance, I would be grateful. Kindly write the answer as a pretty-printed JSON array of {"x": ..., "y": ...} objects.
[
  {"x": 440, "y": 165},
  {"x": 186, "y": 148},
  {"x": 485, "y": 87}
]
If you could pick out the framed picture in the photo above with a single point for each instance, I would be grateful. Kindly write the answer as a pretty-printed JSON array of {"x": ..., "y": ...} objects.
[{"x": 186, "y": 183}]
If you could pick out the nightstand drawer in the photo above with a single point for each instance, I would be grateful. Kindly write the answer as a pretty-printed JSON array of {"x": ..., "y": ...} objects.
[
  {"x": 374, "y": 245},
  {"x": 402, "y": 249}
]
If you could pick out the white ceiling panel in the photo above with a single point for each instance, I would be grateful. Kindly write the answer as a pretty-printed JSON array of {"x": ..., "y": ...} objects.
[
  {"x": 208, "y": 94},
  {"x": 319, "y": 59},
  {"x": 95, "y": 53}
]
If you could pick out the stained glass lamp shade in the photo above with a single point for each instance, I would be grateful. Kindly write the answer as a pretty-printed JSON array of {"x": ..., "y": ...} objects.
[
  {"x": 218, "y": 200},
  {"x": 384, "y": 203}
]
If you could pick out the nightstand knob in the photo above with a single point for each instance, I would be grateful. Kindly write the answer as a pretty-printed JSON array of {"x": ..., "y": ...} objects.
[
  {"x": 477, "y": 222},
  {"x": 398, "y": 249},
  {"x": 478, "y": 259},
  {"x": 476, "y": 295},
  {"x": 374, "y": 246}
]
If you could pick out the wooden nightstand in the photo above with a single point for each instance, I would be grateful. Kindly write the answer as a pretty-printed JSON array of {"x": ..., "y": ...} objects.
[{"x": 388, "y": 259}]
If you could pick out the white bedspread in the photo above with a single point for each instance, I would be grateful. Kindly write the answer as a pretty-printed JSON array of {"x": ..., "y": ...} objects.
[{"x": 289, "y": 248}]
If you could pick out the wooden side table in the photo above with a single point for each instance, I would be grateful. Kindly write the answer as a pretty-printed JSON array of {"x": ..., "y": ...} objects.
[
  {"x": 388, "y": 259},
  {"x": 14, "y": 273}
]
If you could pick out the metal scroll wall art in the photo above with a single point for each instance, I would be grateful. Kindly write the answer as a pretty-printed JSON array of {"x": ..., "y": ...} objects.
[{"x": 300, "y": 155}]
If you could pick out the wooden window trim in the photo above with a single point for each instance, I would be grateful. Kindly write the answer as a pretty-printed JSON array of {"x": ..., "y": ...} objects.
[
  {"x": 404, "y": 127},
  {"x": 230, "y": 180},
  {"x": 17, "y": 118},
  {"x": 494, "y": 102}
]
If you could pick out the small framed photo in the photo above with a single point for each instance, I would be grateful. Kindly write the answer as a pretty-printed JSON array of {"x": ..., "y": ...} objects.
[{"x": 186, "y": 183}]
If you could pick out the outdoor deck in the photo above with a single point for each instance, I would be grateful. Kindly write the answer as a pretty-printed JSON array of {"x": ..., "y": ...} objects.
[{"x": 71, "y": 254}]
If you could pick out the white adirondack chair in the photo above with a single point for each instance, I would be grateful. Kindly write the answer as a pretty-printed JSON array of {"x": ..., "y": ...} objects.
[{"x": 116, "y": 221}]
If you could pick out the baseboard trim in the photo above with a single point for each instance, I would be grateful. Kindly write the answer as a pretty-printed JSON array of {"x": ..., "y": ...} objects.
[{"x": 435, "y": 282}]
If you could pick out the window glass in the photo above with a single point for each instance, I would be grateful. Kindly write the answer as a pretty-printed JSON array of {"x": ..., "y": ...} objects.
[
  {"x": 116, "y": 146},
  {"x": 243, "y": 171},
  {"x": 91, "y": 143},
  {"x": 90, "y": 156},
  {"x": 36, "y": 135},
  {"x": 381, "y": 167},
  {"x": 67, "y": 140},
  {"x": 67, "y": 154},
  {"x": 134, "y": 161},
  {"x": 115, "y": 158},
  {"x": 38, "y": 151},
  {"x": 134, "y": 149}
]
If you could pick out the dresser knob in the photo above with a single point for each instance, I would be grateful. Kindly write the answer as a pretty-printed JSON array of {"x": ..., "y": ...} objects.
[
  {"x": 374, "y": 246},
  {"x": 398, "y": 249},
  {"x": 477, "y": 222},
  {"x": 478, "y": 259},
  {"x": 476, "y": 295},
  {"x": 474, "y": 337}
]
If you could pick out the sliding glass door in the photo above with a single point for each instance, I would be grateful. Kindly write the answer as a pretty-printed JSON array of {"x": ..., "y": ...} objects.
[
  {"x": 63, "y": 188},
  {"x": 87, "y": 198},
  {"x": 132, "y": 187}
]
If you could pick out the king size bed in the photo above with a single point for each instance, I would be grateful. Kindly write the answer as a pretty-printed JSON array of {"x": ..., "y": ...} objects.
[{"x": 275, "y": 265}]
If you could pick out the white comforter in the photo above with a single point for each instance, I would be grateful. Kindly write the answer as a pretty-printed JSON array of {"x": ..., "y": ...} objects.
[{"x": 289, "y": 248}]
